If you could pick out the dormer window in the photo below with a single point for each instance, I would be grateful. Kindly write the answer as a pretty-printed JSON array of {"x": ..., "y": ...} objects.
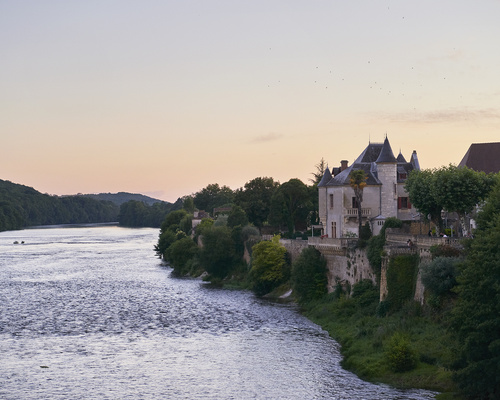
[{"x": 403, "y": 176}]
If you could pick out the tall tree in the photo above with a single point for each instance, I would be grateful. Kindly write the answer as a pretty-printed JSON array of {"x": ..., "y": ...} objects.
[
  {"x": 320, "y": 171},
  {"x": 255, "y": 199},
  {"x": 213, "y": 196},
  {"x": 461, "y": 189},
  {"x": 420, "y": 187},
  {"x": 358, "y": 179},
  {"x": 476, "y": 316},
  {"x": 291, "y": 205}
]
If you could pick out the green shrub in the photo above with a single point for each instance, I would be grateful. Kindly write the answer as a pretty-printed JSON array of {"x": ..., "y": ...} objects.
[
  {"x": 439, "y": 276},
  {"x": 269, "y": 267},
  {"x": 309, "y": 280},
  {"x": 399, "y": 353},
  {"x": 401, "y": 280}
]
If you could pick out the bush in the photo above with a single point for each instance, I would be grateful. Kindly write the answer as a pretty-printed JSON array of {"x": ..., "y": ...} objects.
[
  {"x": 218, "y": 255},
  {"x": 269, "y": 267},
  {"x": 399, "y": 354},
  {"x": 439, "y": 276},
  {"x": 309, "y": 280},
  {"x": 180, "y": 253}
]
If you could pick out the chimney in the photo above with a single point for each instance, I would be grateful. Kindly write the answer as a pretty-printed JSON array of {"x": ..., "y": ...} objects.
[{"x": 343, "y": 165}]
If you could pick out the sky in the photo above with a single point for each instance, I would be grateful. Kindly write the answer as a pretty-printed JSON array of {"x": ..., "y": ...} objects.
[{"x": 165, "y": 97}]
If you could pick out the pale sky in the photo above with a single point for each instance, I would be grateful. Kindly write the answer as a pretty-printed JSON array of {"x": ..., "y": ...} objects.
[{"x": 166, "y": 97}]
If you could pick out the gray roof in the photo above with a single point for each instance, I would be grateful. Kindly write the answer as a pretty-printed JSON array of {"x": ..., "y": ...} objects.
[
  {"x": 367, "y": 161},
  {"x": 327, "y": 177},
  {"x": 386, "y": 155}
]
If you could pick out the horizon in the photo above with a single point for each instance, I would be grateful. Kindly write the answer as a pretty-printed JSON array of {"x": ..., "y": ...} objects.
[{"x": 162, "y": 99}]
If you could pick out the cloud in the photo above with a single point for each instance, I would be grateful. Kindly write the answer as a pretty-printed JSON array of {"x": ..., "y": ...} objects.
[
  {"x": 270, "y": 137},
  {"x": 446, "y": 116}
]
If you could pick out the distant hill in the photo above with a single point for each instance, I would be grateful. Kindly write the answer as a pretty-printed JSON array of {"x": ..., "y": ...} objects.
[
  {"x": 22, "y": 206},
  {"x": 122, "y": 197}
]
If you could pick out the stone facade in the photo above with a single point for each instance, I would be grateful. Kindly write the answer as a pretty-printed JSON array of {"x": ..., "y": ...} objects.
[{"x": 384, "y": 195}]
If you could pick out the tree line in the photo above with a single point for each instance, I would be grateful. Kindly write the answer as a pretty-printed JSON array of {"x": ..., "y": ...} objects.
[{"x": 22, "y": 206}]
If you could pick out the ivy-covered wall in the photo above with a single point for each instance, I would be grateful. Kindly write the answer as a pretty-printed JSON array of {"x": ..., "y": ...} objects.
[{"x": 401, "y": 275}]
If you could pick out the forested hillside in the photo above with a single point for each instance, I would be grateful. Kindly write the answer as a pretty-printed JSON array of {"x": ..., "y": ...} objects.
[
  {"x": 22, "y": 206},
  {"x": 122, "y": 197}
]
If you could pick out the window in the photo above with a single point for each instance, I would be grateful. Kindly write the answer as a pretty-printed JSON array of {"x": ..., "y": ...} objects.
[
  {"x": 404, "y": 203},
  {"x": 402, "y": 176},
  {"x": 354, "y": 202},
  {"x": 331, "y": 200}
]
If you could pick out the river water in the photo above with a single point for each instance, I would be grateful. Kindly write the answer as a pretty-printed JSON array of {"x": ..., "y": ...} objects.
[{"x": 91, "y": 313}]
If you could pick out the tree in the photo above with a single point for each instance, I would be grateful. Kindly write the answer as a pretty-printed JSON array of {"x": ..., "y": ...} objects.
[
  {"x": 358, "y": 179},
  {"x": 461, "y": 189},
  {"x": 213, "y": 196},
  {"x": 309, "y": 280},
  {"x": 476, "y": 317},
  {"x": 236, "y": 217},
  {"x": 217, "y": 255},
  {"x": 320, "y": 171},
  {"x": 290, "y": 205},
  {"x": 255, "y": 199},
  {"x": 180, "y": 253},
  {"x": 420, "y": 187},
  {"x": 269, "y": 268}
]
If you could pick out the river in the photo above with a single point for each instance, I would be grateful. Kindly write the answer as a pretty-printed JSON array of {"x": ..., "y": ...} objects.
[{"x": 92, "y": 313}]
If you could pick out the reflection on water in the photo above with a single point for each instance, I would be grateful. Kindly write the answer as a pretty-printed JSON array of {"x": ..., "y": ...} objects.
[{"x": 90, "y": 313}]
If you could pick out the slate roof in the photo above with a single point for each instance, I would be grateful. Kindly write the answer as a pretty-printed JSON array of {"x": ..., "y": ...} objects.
[
  {"x": 482, "y": 157},
  {"x": 327, "y": 176},
  {"x": 367, "y": 161},
  {"x": 386, "y": 155}
]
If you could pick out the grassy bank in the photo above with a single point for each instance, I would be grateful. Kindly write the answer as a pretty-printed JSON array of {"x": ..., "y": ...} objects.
[{"x": 368, "y": 341}]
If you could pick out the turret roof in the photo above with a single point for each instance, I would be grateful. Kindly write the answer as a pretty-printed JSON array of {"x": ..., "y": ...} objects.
[
  {"x": 327, "y": 177},
  {"x": 386, "y": 155}
]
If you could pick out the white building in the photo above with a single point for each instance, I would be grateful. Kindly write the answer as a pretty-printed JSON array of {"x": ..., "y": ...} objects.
[{"x": 384, "y": 195}]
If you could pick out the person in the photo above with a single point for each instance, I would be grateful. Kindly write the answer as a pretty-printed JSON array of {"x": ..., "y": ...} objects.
[{"x": 430, "y": 232}]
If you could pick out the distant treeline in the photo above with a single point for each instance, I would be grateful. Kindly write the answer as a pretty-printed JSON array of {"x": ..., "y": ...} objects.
[
  {"x": 138, "y": 214},
  {"x": 22, "y": 206}
]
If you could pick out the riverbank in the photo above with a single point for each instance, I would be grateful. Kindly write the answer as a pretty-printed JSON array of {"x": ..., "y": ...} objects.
[
  {"x": 366, "y": 341},
  {"x": 364, "y": 338}
]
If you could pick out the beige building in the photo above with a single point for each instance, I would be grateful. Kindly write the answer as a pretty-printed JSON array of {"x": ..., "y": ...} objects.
[{"x": 384, "y": 195}]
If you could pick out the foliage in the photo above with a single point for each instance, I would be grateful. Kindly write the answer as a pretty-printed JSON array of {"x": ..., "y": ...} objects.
[
  {"x": 420, "y": 187},
  {"x": 269, "y": 268},
  {"x": 365, "y": 292},
  {"x": 445, "y": 250},
  {"x": 290, "y": 206},
  {"x": 309, "y": 280},
  {"x": 454, "y": 189},
  {"x": 460, "y": 189},
  {"x": 135, "y": 213},
  {"x": 213, "y": 196},
  {"x": 401, "y": 280},
  {"x": 400, "y": 355},
  {"x": 476, "y": 315},
  {"x": 320, "y": 171},
  {"x": 22, "y": 206},
  {"x": 180, "y": 253},
  {"x": 237, "y": 216},
  {"x": 255, "y": 199},
  {"x": 188, "y": 204},
  {"x": 165, "y": 239},
  {"x": 439, "y": 276},
  {"x": 218, "y": 255},
  {"x": 376, "y": 245}
]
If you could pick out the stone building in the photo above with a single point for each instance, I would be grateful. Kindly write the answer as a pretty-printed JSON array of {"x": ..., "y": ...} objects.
[{"x": 384, "y": 195}]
